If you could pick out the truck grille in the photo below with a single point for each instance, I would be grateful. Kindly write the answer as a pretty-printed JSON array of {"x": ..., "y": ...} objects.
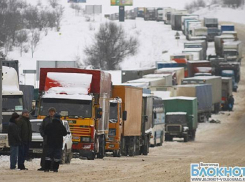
[
  {"x": 36, "y": 145},
  {"x": 174, "y": 128},
  {"x": 80, "y": 131}
]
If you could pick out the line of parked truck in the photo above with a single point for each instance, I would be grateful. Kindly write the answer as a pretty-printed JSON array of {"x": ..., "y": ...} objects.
[{"x": 125, "y": 112}]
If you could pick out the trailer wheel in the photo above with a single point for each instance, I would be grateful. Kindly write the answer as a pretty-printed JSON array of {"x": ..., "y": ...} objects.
[
  {"x": 186, "y": 138},
  {"x": 132, "y": 146},
  {"x": 101, "y": 153},
  {"x": 146, "y": 146}
]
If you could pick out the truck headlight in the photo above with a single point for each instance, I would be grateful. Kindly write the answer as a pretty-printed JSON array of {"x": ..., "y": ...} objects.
[
  {"x": 185, "y": 128},
  {"x": 85, "y": 139}
]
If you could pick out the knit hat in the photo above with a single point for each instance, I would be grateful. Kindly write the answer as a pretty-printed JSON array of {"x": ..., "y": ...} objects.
[
  {"x": 25, "y": 111},
  {"x": 14, "y": 116},
  {"x": 57, "y": 117},
  {"x": 51, "y": 109}
]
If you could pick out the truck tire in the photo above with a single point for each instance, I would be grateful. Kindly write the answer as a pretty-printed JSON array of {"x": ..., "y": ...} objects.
[
  {"x": 186, "y": 138},
  {"x": 146, "y": 146},
  {"x": 132, "y": 147},
  {"x": 91, "y": 156},
  {"x": 101, "y": 153},
  {"x": 123, "y": 147},
  {"x": 117, "y": 153},
  {"x": 64, "y": 155}
]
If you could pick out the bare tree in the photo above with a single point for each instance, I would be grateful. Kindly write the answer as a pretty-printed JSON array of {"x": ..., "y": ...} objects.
[
  {"x": 53, "y": 3},
  {"x": 110, "y": 47},
  {"x": 58, "y": 16},
  {"x": 21, "y": 38},
  {"x": 34, "y": 40}
]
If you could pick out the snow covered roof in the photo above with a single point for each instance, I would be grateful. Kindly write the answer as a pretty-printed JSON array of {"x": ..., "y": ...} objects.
[
  {"x": 202, "y": 78},
  {"x": 192, "y": 49},
  {"x": 201, "y": 61},
  {"x": 71, "y": 97},
  {"x": 176, "y": 113},
  {"x": 232, "y": 43},
  {"x": 157, "y": 75},
  {"x": 162, "y": 94},
  {"x": 145, "y": 80},
  {"x": 180, "y": 98}
]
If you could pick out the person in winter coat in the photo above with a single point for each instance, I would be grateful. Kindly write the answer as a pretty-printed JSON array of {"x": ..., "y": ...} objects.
[
  {"x": 55, "y": 132},
  {"x": 231, "y": 102},
  {"x": 26, "y": 137},
  {"x": 47, "y": 120},
  {"x": 14, "y": 139}
]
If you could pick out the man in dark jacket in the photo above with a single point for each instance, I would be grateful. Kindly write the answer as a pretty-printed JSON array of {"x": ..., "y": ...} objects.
[
  {"x": 26, "y": 137},
  {"x": 47, "y": 120},
  {"x": 14, "y": 139},
  {"x": 55, "y": 132}
]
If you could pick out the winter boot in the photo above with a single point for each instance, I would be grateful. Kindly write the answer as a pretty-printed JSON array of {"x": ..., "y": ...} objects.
[
  {"x": 47, "y": 165},
  {"x": 56, "y": 166}
]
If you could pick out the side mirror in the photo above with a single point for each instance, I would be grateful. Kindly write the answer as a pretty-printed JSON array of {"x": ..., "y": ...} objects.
[
  {"x": 146, "y": 118},
  {"x": 155, "y": 115},
  {"x": 125, "y": 115},
  {"x": 98, "y": 113}
]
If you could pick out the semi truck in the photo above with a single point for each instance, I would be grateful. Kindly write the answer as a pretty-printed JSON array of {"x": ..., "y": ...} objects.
[
  {"x": 187, "y": 17},
  {"x": 187, "y": 56},
  {"x": 195, "y": 67},
  {"x": 172, "y": 64},
  {"x": 219, "y": 41},
  {"x": 81, "y": 97},
  {"x": 140, "y": 12},
  {"x": 229, "y": 69},
  {"x": 216, "y": 83},
  {"x": 234, "y": 33},
  {"x": 186, "y": 25},
  {"x": 177, "y": 74},
  {"x": 180, "y": 118},
  {"x": 176, "y": 23},
  {"x": 211, "y": 22},
  {"x": 202, "y": 93},
  {"x": 159, "y": 14},
  {"x": 226, "y": 92},
  {"x": 197, "y": 44},
  {"x": 12, "y": 101},
  {"x": 167, "y": 15},
  {"x": 150, "y": 14},
  {"x": 134, "y": 137},
  {"x": 196, "y": 52},
  {"x": 127, "y": 75},
  {"x": 212, "y": 33},
  {"x": 232, "y": 51}
]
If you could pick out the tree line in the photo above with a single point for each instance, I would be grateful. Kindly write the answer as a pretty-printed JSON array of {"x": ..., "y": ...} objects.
[{"x": 21, "y": 24}]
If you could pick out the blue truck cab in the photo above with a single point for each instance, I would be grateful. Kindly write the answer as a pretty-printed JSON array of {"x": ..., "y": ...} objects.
[{"x": 230, "y": 73}]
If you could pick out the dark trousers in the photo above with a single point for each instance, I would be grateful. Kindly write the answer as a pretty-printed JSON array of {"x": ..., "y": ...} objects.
[
  {"x": 54, "y": 154},
  {"x": 44, "y": 154},
  {"x": 23, "y": 154},
  {"x": 13, "y": 156}
]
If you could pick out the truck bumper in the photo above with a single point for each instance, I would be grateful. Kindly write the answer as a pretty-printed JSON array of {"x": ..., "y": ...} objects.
[
  {"x": 84, "y": 149},
  {"x": 176, "y": 134},
  {"x": 111, "y": 146}
]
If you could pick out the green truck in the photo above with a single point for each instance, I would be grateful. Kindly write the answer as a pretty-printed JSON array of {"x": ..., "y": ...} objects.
[{"x": 181, "y": 118}]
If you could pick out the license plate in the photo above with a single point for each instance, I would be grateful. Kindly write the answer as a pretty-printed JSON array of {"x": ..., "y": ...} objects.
[
  {"x": 111, "y": 146},
  {"x": 37, "y": 151}
]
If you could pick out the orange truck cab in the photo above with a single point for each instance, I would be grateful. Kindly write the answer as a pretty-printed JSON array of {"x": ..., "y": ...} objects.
[
  {"x": 82, "y": 98},
  {"x": 116, "y": 116}
]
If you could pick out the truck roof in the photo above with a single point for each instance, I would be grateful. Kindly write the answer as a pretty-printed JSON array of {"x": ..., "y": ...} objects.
[
  {"x": 68, "y": 97},
  {"x": 192, "y": 49},
  {"x": 202, "y": 78},
  {"x": 176, "y": 113},
  {"x": 201, "y": 61},
  {"x": 232, "y": 43},
  {"x": 156, "y": 75},
  {"x": 181, "y": 98}
]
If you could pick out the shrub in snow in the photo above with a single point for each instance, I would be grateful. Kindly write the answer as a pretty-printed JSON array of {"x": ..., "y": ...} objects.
[{"x": 110, "y": 47}]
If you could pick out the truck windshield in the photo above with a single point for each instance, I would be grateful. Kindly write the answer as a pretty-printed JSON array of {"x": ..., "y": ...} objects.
[
  {"x": 73, "y": 108},
  {"x": 176, "y": 119},
  {"x": 12, "y": 103},
  {"x": 113, "y": 112},
  {"x": 35, "y": 126}
]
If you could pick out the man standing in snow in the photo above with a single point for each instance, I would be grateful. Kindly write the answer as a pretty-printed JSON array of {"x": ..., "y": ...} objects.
[
  {"x": 14, "y": 139},
  {"x": 26, "y": 137},
  {"x": 55, "y": 132},
  {"x": 47, "y": 120}
]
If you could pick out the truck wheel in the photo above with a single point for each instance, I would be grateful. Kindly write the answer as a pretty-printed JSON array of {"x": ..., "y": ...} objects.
[
  {"x": 132, "y": 147},
  {"x": 117, "y": 153},
  {"x": 91, "y": 156},
  {"x": 161, "y": 139},
  {"x": 101, "y": 153},
  {"x": 64, "y": 154},
  {"x": 186, "y": 138},
  {"x": 146, "y": 146}
]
